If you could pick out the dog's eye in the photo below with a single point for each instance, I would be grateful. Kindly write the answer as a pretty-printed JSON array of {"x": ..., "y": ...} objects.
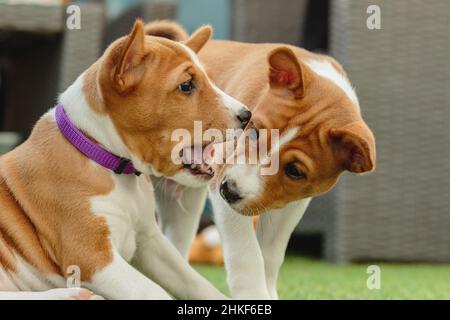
[
  {"x": 187, "y": 86},
  {"x": 293, "y": 172}
]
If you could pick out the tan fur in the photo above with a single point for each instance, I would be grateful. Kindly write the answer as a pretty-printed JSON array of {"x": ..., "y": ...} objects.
[
  {"x": 243, "y": 71},
  {"x": 45, "y": 206},
  {"x": 274, "y": 81},
  {"x": 46, "y": 184},
  {"x": 138, "y": 117}
]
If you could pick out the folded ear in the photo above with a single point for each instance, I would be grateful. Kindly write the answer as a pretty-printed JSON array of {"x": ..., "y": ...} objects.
[
  {"x": 354, "y": 146},
  {"x": 199, "y": 38},
  {"x": 286, "y": 71},
  {"x": 130, "y": 69}
]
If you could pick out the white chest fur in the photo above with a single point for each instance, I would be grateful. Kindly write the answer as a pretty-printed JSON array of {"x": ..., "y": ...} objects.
[{"x": 129, "y": 208}]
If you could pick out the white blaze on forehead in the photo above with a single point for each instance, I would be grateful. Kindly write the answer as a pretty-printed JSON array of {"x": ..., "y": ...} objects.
[
  {"x": 273, "y": 157},
  {"x": 325, "y": 69},
  {"x": 231, "y": 103},
  {"x": 287, "y": 136}
]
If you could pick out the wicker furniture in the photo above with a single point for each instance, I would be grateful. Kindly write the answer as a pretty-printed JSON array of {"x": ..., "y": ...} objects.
[
  {"x": 402, "y": 77},
  {"x": 42, "y": 57},
  {"x": 82, "y": 47},
  {"x": 32, "y": 18},
  {"x": 250, "y": 20}
]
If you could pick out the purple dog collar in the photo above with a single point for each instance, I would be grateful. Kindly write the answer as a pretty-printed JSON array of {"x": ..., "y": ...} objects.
[{"x": 89, "y": 148}]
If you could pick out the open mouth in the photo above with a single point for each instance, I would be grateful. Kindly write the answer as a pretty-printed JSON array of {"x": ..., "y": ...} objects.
[{"x": 195, "y": 159}]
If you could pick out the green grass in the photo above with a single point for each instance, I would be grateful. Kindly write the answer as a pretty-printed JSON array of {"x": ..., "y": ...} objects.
[{"x": 302, "y": 278}]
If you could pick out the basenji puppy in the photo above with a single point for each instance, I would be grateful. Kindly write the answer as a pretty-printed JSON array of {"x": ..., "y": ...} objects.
[
  {"x": 308, "y": 98},
  {"x": 77, "y": 202}
]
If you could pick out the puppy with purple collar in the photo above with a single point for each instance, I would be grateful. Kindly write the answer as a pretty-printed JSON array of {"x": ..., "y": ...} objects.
[{"x": 76, "y": 199}]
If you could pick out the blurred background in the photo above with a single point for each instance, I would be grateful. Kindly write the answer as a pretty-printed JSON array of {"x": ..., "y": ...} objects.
[{"x": 401, "y": 72}]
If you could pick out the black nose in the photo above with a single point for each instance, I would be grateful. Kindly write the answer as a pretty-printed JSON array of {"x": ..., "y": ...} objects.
[
  {"x": 244, "y": 117},
  {"x": 227, "y": 191}
]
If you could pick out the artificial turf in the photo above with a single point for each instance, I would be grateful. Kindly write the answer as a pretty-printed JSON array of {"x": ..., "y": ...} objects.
[{"x": 305, "y": 278}]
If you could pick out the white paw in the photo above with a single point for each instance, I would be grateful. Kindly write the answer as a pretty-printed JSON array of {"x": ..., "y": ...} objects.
[{"x": 71, "y": 294}]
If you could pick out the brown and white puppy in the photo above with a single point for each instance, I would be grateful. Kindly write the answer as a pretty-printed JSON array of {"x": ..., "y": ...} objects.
[
  {"x": 308, "y": 98},
  {"x": 62, "y": 212}
]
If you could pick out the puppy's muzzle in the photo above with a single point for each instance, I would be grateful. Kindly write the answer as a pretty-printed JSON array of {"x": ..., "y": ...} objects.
[{"x": 228, "y": 191}]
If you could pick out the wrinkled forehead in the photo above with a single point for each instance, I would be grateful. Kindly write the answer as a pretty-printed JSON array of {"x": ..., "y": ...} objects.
[
  {"x": 178, "y": 57},
  {"x": 329, "y": 100},
  {"x": 294, "y": 145},
  {"x": 273, "y": 143},
  {"x": 285, "y": 138}
]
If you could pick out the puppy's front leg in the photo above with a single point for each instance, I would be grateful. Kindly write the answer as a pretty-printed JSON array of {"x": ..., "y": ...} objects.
[
  {"x": 273, "y": 231},
  {"x": 119, "y": 280},
  {"x": 179, "y": 218},
  {"x": 243, "y": 258},
  {"x": 160, "y": 261}
]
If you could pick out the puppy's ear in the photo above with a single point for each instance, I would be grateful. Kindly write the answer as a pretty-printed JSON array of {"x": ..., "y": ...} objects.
[
  {"x": 130, "y": 68},
  {"x": 354, "y": 146},
  {"x": 199, "y": 38},
  {"x": 286, "y": 72}
]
